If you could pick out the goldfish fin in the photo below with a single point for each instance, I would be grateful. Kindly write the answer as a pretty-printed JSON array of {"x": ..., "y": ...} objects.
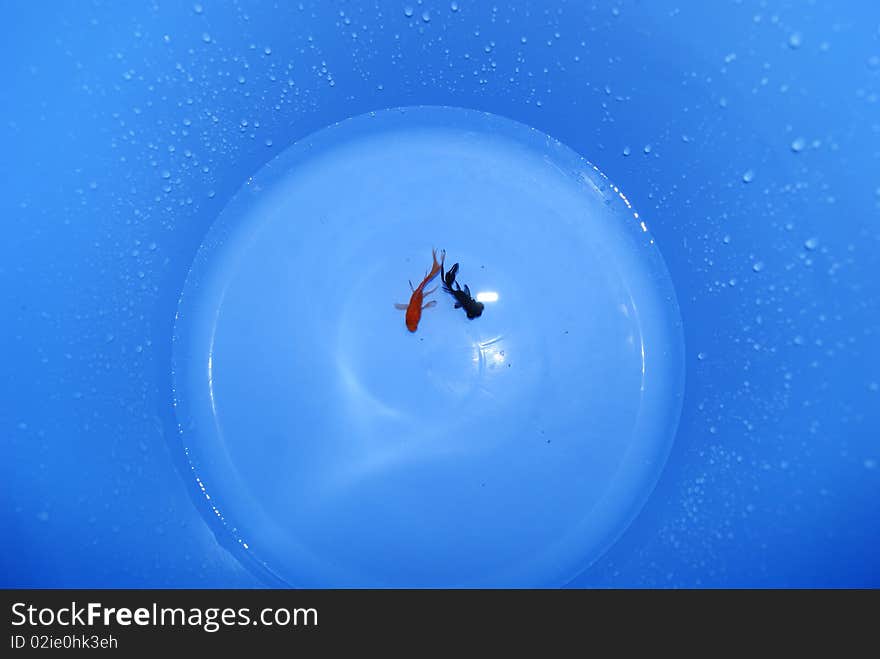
[{"x": 398, "y": 305}]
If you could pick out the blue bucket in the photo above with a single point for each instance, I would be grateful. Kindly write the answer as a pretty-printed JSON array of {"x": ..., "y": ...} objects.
[{"x": 655, "y": 364}]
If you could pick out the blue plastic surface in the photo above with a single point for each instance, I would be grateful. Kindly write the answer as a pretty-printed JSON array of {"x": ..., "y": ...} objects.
[
  {"x": 744, "y": 133},
  {"x": 339, "y": 448}
]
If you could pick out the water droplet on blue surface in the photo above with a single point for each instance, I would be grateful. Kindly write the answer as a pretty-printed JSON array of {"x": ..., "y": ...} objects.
[
  {"x": 811, "y": 243},
  {"x": 408, "y": 11},
  {"x": 748, "y": 176},
  {"x": 795, "y": 40},
  {"x": 798, "y": 144},
  {"x": 758, "y": 266}
]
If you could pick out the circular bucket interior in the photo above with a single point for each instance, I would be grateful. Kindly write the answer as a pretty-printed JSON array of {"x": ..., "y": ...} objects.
[
  {"x": 337, "y": 447},
  {"x": 199, "y": 268}
]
